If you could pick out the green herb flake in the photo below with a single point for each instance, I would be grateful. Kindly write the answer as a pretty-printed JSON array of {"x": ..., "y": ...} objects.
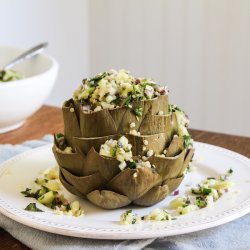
[
  {"x": 194, "y": 191},
  {"x": 127, "y": 100},
  {"x": 128, "y": 211},
  {"x": 187, "y": 141},
  {"x": 113, "y": 151},
  {"x": 28, "y": 193},
  {"x": 32, "y": 208},
  {"x": 200, "y": 202},
  {"x": 98, "y": 77},
  {"x": 131, "y": 164},
  {"x": 134, "y": 221},
  {"x": 138, "y": 111},
  {"x": 59, "y": 135},
  {"x": 206, "y": 191}
]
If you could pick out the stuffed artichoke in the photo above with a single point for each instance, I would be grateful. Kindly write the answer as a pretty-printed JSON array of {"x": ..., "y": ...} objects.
[{"x": 123, "y": 142}]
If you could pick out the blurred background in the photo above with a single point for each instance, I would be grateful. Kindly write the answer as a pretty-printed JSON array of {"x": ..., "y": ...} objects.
[{"x": 200, "y": 49}]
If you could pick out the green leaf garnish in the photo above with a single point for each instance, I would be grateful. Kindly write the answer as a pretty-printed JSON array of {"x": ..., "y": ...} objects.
[
  {"x": 138, "y": 111},
  {"x": 206, "y": 191},
  {"x": 113, "y": 151},
  {"x": 131, "y": 164},
  {"x": 127, "y": 100},
  {"x": 187, "y": 141},
  {"x": 28, "y": 193},
  {"x": 200, "y": 202},
  {"x": 32, "y": 208},
  {"x": 98, "y": 77}
]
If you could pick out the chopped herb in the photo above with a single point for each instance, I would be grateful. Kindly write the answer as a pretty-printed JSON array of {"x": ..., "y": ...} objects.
[
  {"x": 98, "y": 77},
  {"x": 134, "y": 221},
  {"x": 32, "y": 207},
  {"x": 28, "y": 193},
  {"x": 187, "y": 141},
  {"x": 84, "y": 80},
  {"x": 61, "y": 142},
  {"x": 206, "y": 191},
  {"x": 128, "y": 211},
  {"x": 138, "y": 111},
  {"x": 127, "y": 100},
  {"x": 131, "y": 164},
  {"x": 57, "y": 202},
  {"x": 230, "y": 171},
  {"x": 113, "y": 151},
  {"x": 67, "y": 207},
  {"x": 195, "y": 191},
  {"x": 59, "y": 135},
  {"x": 200, "y": 202},
  {"x": 211, "y": 178}
]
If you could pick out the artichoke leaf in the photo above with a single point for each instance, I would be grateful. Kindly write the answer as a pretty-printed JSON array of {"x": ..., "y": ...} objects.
[
  {"x": 173, "y": 183},
  {"x": 188, "y": 158},
  {"x": 95, "y": 124},
  {"x": 154, "y": 124},
  {"x": 91, "y": 162},
  {"x": 159, "y": 104},
  {"x": 83, "y": 184},
  {"x": 117, "y": 120},
  {"x": 153, "y": 196},
  {"x": 108, "y": 199},
  {"x": 73, "y": 162},
  {"x": 134, "y": 182},
  {"x": 77, "y": 107},
  {"x": 122, "y": 117},
  {"x": 68, "y": 186},
  {"x": 157, "y": 143},
  {"x": 168, "y": 167},
  {"x": 107, "y": 167},
  {"x": 85, "y": 144},
  {"x": 175, "y": 147},
  {"x": 71, "y": 124}
]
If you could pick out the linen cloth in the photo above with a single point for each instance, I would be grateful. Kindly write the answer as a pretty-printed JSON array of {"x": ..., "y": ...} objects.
[{"x": 233, "y": 235}]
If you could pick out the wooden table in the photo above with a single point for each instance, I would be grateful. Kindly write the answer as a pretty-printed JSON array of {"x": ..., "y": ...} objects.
[{"x": 49, "y": 120}]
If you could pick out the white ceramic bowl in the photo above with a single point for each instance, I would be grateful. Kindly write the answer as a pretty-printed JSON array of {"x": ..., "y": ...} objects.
[{"x": 20, "y": 99}]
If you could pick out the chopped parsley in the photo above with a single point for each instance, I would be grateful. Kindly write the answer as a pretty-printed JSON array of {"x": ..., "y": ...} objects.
[
  {"x": 200, "y": 202},
  {"x": 187, "y": 141},
  {"x": 206, "y": 191},
  {"x": 131, "y": 164},
  {"x": 138, "y": 111},
  {"x": 33, "y": 208}
]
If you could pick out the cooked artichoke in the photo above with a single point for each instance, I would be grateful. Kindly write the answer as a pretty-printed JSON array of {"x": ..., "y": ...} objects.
[{"x": 156, "y": 132}]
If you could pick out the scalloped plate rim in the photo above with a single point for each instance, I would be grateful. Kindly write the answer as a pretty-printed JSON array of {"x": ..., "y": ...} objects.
[{"x": 127, "y": 232}]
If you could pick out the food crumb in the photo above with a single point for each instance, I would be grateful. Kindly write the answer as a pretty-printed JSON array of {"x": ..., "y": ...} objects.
[{"x": 132, "y": 125}]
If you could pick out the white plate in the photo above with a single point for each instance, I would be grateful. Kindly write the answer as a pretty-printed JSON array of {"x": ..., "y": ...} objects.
[{"x": 19, "y": 172}]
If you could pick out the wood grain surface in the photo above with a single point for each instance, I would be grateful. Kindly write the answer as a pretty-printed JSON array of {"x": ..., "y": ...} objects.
[{"x": 48, "y": 120}]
